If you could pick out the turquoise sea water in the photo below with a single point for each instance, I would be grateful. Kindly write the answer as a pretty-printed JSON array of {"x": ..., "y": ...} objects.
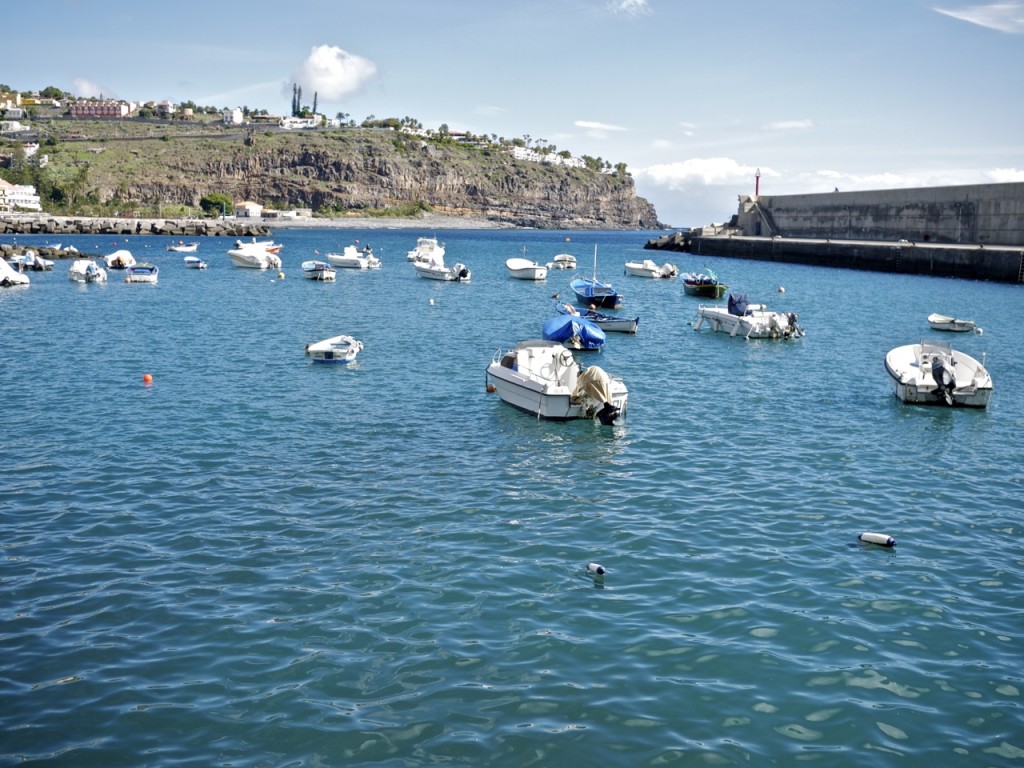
[{"x": 256, "y": 561}]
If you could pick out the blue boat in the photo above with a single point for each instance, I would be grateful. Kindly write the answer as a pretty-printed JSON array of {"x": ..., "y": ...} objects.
[
  {"x": 591, "y": 292},
  {"x": 574, "y": 332}
]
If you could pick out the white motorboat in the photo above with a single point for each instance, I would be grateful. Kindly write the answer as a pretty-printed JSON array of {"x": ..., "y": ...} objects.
[
  {"x": 524, "y": 269},
  {"x": 30, "y": 261},
  {"x": 562, "y": 261},
  {"x": 318, "y": 270},
  {"x": 337, "y": 349},
  {"x": 542, "y": 378},
  {"x": 182, "y": 247},
  {"x": 86, "y": 271},
  {"x": 751, "y": 321},
  {"x": 256, "y": 255},
  {"x": 458, "y": 273},
  {"x": 427, "y": 249},
  {"x": 648, "y": 268},
  {"x": 947, "y": 323},
  {"x": 141, "y": 272},
  {"x": 194, "y": 262},
  {"x": 353, "y": 257},
  {"x": 9, "y": 276},
  {"x": 933, "y": 373},
  {"x": 119, "y": 259}
]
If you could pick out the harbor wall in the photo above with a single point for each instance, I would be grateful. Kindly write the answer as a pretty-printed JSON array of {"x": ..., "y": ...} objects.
[
  {"x": 987, "y": 214},
  {"x": 977, "y": 262}
]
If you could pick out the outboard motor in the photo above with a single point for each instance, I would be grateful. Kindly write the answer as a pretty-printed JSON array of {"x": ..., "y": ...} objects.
[
  {"x": 944, "y": 381},
  {"x": 463, "y": 273},
  {"x": 608, "y": 414}
]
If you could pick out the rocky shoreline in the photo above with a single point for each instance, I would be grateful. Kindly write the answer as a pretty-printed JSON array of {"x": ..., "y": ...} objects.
[{"x": 44, "y": 224}]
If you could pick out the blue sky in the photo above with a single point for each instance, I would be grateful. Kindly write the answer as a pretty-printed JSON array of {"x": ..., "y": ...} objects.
[{"x": 694, "y": 96}]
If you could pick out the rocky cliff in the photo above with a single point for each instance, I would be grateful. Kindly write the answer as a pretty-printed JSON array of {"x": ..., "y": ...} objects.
[{"x": 339, "y": 171}]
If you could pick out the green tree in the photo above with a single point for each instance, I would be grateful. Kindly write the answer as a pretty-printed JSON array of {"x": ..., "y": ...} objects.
[{"x": 216, "y": 203}]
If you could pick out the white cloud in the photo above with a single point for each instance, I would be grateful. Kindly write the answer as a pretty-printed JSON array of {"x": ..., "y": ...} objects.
[
  {"x": 1003, "y": 17},
  {"x": 598, "y": 130},
  {"x": 84, "y": 88},
  {"x": 629, "y": 7},
  {"x": 331, "y": 73},
  {"x": 1005, "y": 175},
  {"x": 790, "y": 125},
  {"x": 700, "y": 171}
]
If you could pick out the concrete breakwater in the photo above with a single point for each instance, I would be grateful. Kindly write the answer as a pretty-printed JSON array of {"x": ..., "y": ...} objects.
[
  {"x": 1003, "y": 264},
  {"x": 43, "y": 224}
]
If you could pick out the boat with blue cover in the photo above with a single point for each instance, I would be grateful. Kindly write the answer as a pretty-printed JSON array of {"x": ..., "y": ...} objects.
[
  {"x": 594, "y": 293},
  {"x": 573, "y": 331}
]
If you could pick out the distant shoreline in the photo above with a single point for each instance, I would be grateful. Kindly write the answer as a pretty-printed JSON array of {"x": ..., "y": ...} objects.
[{"x": 426, "y": 221}]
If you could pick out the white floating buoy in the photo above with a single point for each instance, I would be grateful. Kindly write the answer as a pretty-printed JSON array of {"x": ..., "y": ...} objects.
[
  {"x": 596, "y": 568},
  {"x": 881, "y": 539},
  {"x": 431, "y": 301},
  {"x": 782, "y": 289}
]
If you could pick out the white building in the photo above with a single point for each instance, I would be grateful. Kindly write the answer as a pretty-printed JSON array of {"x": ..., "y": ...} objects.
[
  {"x": 248, "y": 209},
  {"x": 233, "y": 116},
  {"x": 18, "y": 197}
]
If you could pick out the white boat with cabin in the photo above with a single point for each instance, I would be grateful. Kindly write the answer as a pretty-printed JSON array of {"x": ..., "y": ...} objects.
[
  {"x": 543, "y": 378},
  {"x": 318, "y": 270},
  {"x": 751, "y": 321},
  {"x": 256, "y": 255},
  {"x": 182, "y": 247},
  {"x": 933, "y": 373},
  {"x": 427, "y": 249},
  {"x": 194, "y": 262}
]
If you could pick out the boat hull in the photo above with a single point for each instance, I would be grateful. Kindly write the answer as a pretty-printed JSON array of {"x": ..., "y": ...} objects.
[
  {"x": 253, "y": 260},
  {"x": 524, "y": 269},
  {"x": 456, "y": 274},
  {"x": 594, "y": 294},
  {"x": 944, "y": 323},
  {"x": 910, "y": 370},
  {"x": 141, "y": 273},
  {"x": 705, "y": 291}
]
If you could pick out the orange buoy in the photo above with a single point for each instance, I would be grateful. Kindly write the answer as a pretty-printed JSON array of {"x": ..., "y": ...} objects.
[{"x": 147, "y": 378}]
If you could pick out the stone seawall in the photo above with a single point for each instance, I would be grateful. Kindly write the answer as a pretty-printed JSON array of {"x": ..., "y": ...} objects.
[
  {"x": 42, "y": 224},
  {"x": 1003, "y": 264}
]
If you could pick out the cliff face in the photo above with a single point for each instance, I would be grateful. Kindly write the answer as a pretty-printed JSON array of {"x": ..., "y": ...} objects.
[{"x": 360, "y": 169}]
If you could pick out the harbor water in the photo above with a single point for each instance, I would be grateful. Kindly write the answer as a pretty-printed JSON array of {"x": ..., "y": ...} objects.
[{"x": 257, "y": 561}]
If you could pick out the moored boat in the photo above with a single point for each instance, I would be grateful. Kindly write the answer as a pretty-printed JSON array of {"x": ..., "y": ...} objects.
[
  {"x": 9, "y": 276},
  {"x": 182, "y": 247},
  {"x": 573, "y": 331},
  {"x": 524, "y": 269},
  {"x": 648, "y": 268},
  {"x": 751, "y": 321},
  {"x": 86, "y": 271},
  {"x": 121, "y": 259},
  {"x": 947, "y": 323},
  {"x": 427, "y": 249},
  {"x": 933, "y": 373},
  {"x": 353, "y": 257},
  {"x": 593, "y": 293},
  {"x": 194, "y": 262},
  {"x": 256, "y": 255},
  {"x": 318, "y": 270},
  {"x": 543, "y": 378},
  {"x": 458, "y": 273},
  {"x": 704, "y": 284},
  {"x": 562, "y": 261},
  {"x": 141, "y": 272},
  {"x": 607, "y": 323},
  {"x": 336, "y": 349}
]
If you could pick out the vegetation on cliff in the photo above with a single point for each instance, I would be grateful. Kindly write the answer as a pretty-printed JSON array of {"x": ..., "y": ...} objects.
[{"x": 139, "y": 167}]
